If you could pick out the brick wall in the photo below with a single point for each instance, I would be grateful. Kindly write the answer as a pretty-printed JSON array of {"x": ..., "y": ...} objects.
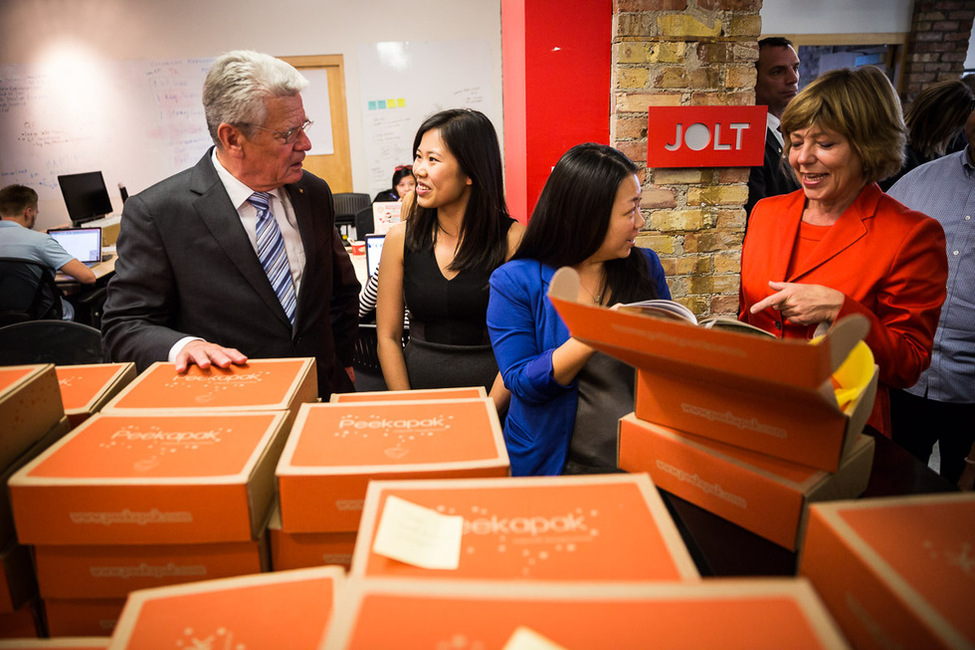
[
  {"x": 687, "y": 53},
  {"x": 938, "y": 44}
]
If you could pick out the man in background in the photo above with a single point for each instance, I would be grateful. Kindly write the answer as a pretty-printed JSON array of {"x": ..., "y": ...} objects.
[
  {"x": 940, "y": 407},
  {"x": 18, "y": 209},
  {"x": 238, "y": 256},
  {"x": 777, "y": 83}
]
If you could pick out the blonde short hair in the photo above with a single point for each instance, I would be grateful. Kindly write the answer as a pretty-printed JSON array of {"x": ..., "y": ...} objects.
[{"x": 859, "y": 104}]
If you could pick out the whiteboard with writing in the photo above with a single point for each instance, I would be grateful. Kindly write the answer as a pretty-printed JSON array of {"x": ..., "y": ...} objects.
[
  {"x": 137, "y": 122},
  {"x": 404, "y": 82}
]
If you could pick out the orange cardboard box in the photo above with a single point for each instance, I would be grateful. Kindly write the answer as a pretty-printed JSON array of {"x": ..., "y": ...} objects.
[
  {"x": 768, "y": 496},
  {"x": 113, "y": 571},
  {"x": 412, "y": 395},
  {"x": 88, "y": 617},
  {"x": 719, "y": 613},
  {"x": 17, "y": 583},
  {"x": 606, "y": 527},
  {"x": 261, "y": 385},
  {"x": 768, "y": 395},
  {"x": 61, "y": 643},
  {"x": 86, "y": 388},
  {"x": 21, "y": 624},
  {"x": 287, "y": 609},
  {"x": 303, "y": 550},
  {"x": 151, "y": 479},
  {"x": 30, "y": 404},
  {"x": 896, "y": 572},
  {"x": 7, "y": 532},
  {"x": 335, "y": 450}
]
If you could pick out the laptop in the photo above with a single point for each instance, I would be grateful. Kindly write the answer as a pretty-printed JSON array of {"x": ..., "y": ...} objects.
[
  {"x": 84, "y": 244},
  {"x": 374, "y": 249}
]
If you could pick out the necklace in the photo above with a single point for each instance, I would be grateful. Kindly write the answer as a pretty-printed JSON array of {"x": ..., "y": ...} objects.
[{"x": 597, "y": 298}]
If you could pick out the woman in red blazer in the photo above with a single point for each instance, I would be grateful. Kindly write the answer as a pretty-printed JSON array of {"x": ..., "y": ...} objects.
[{"x": 840, "y": 245}]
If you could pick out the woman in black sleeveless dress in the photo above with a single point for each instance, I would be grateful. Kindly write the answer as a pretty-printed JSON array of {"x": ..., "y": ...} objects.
[{"x": 438, "y": 260}]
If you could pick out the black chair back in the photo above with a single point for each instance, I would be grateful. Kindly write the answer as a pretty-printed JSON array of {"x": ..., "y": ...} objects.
[
  {"x": 364, "y": 224},
  {"x": 27, "y": 291},
  {"x": 61, "y": 342},
  {"x": 347, "y": 206}
]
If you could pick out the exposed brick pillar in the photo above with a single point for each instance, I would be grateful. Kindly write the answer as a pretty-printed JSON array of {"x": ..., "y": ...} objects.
[
  {"x": 938, "y": 45},
  {"x": 687, "y": 53}
]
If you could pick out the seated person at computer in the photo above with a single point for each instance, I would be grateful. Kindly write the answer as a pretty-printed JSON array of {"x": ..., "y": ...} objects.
[
  {"x": 403, "y": 184},
  {"x": 18, "y": 209}
]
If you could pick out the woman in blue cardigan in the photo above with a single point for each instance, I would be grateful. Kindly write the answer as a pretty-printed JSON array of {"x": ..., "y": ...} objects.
[{"x": 566, "y": 398}]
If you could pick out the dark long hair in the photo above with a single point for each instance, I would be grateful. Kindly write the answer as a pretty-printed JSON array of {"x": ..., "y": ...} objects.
[
  {"x": 572, "y": 216},
  {"x": 471, "y": 138}
]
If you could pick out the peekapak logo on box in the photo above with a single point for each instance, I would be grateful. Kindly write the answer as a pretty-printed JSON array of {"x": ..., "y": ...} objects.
[
  {"x": 530, "y": 541},
  {"x": 208, "y": 387},
  {"x": 399, "y": 434},
  {"x": 148, "y": 446}
]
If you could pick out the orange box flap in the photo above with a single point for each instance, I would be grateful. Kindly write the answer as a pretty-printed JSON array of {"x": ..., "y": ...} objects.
[
  {"x": 912, "y": 561},
  {"x": 726, "y": 357},
  {"x": 411, "y": 395},
  {"x": 141, "y": 479},
  {"x": 718, "y": 613},
  {"x": 287, "y": 609},
  {"x": 607, "y": 527},
  {"x": 86, "y": 388},
  {"x": 30, "y": 404},
  {"x": 262, "y": 384}
]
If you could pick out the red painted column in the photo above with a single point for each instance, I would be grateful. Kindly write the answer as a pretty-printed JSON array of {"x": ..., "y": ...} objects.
[{"x": 556, "y": 64}]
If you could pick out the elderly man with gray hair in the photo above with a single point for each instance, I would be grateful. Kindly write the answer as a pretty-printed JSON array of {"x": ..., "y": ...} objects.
[{"x": 237, "y": 256}]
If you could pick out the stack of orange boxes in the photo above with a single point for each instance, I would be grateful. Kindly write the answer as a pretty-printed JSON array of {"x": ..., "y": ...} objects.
[
  {"x": 335, "y": 449},
  {"x": 172, "y": 482},
  {"x": 32, "y": 417},
  {"x": 747, "y": 427}
]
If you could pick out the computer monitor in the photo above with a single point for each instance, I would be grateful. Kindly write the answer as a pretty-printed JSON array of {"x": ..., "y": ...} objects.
[
  {"x": 85, "y": 196},
  {"x": 374, "y": 250}
]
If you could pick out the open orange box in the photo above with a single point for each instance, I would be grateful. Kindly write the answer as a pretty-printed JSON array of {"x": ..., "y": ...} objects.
[
  {"x": 768, "y": 496},
  {"x": 411, "y": 395},
  {"x": 606, "y": 527},
  {"x": 287, "y": 609},
  {"x": 261, "y": 385},
  {"x": 30, "y": 404},
  {"x": 151, "y": 479},
  {"x": 768, "y": 395},
  {"x": 719, "y": 613},
  {"x": 334, "y": 450},
  {"x": 86, "y": 388},
  {"x": 896, "y": 572},
  {"x": 303, "y": 550},
  {"x": 82, "y": 617},
  {"x": 114, "y": 571},
  {"x": 61, "y": 643}
]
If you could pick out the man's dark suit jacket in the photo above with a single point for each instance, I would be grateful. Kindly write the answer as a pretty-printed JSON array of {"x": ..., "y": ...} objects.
[
  {"x": 185, "y": 267},
  {"x": 770, "y": 179}
]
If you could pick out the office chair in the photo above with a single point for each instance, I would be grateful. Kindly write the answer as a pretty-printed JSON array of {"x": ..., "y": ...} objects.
[
  {"x": 364, "y": 224},
  {"x": 365, "y": 358},
  {"x": 61, "y": 342},
  {"x": 347, "y": 205},
  {"x": 27, "y": 291}
]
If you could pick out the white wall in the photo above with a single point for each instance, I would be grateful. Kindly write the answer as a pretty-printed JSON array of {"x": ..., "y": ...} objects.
[
  {"x": 117, "y": 30},
  {"x": 836, "y": 16}
]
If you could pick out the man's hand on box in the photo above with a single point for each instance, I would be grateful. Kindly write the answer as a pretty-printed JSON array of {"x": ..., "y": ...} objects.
[{"x": 204, "y": 354}]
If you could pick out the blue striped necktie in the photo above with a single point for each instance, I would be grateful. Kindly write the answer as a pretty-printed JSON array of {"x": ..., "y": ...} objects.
[{"x": 270, "y": 250}]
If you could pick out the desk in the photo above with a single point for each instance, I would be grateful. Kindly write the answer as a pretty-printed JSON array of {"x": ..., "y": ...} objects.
[
  {"x": 89, "y": 299},
  {"x": 720, "y": 548}
]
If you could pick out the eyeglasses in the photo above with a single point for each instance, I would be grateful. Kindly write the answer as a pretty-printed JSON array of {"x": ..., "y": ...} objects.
[{"x": 289, "y": 136}]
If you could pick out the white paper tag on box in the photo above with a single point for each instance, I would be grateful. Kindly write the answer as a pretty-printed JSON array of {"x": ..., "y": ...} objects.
[
  {"x": 419, "y": 536},
  {"x": 525, "y": 638}
]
